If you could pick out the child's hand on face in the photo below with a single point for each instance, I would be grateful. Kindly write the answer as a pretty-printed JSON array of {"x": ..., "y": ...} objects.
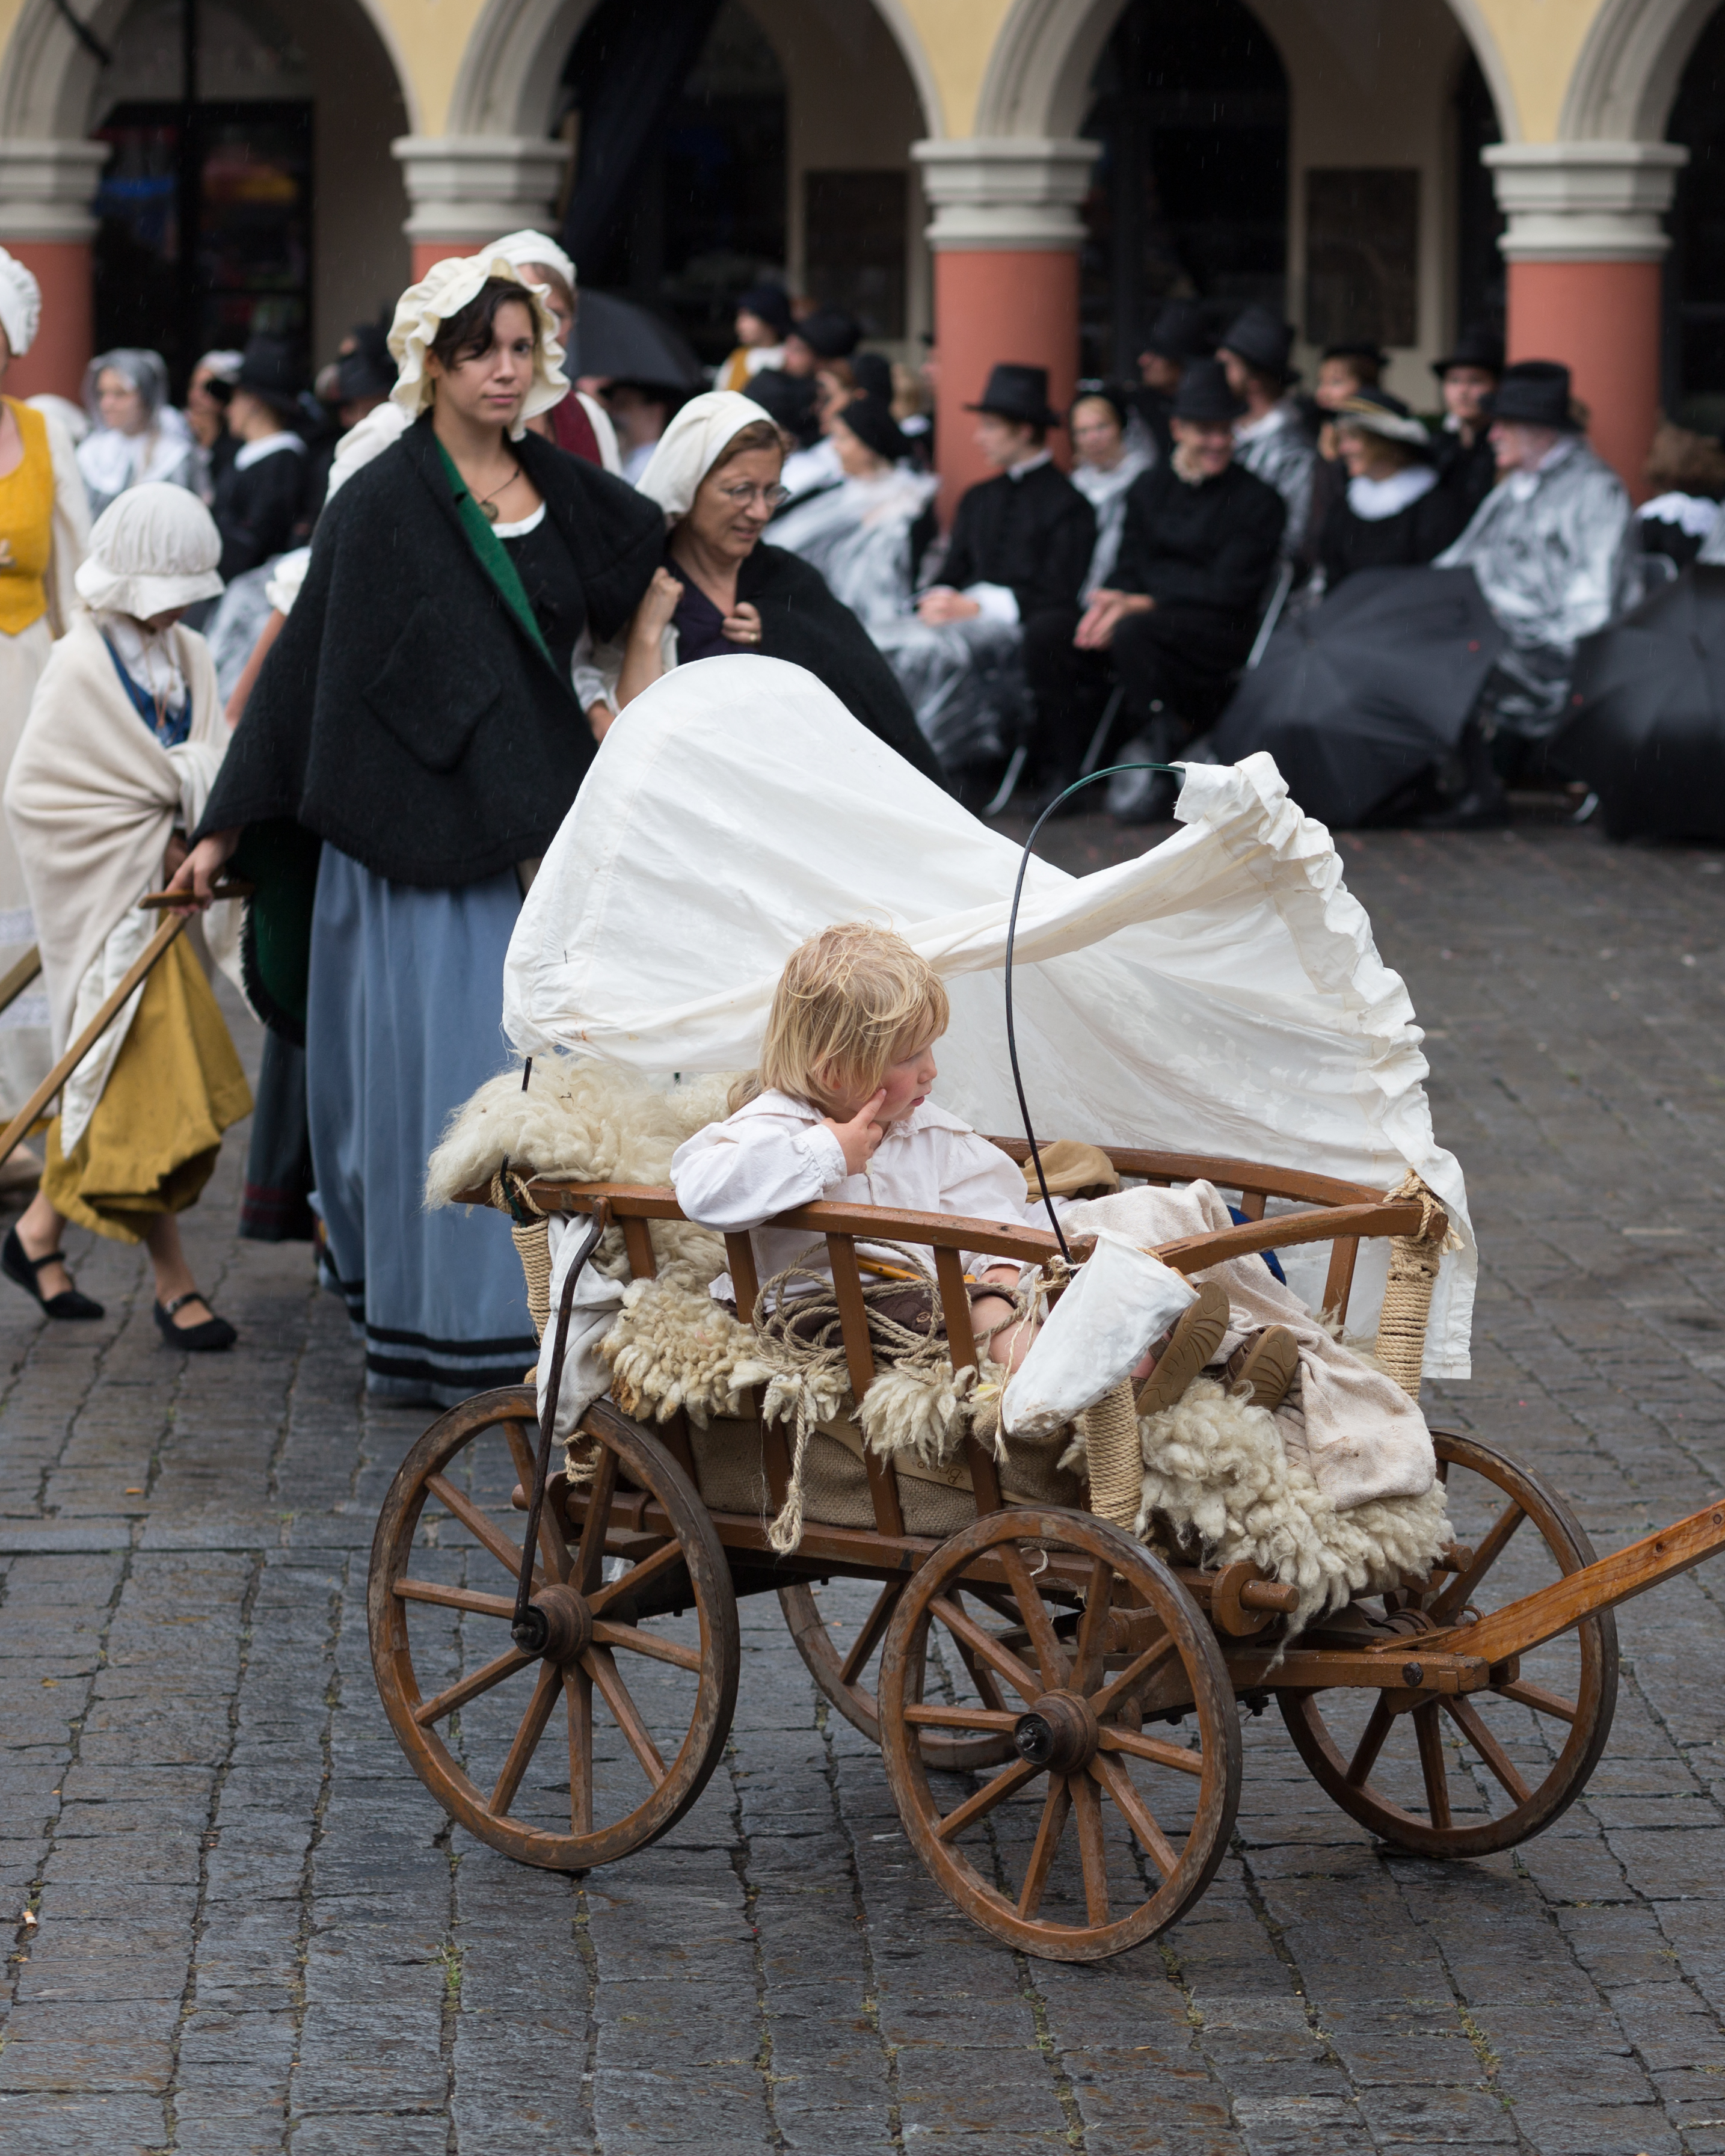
[{"x": 858, "y": 1139}]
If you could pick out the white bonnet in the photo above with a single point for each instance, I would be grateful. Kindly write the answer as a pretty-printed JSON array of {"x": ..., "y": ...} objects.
[
  {"x": 446, "y": 288},
  {"x": 693, "y": 443},
  {"x": 522, "y": 247},
  {"x": 154, "y": 548},
  {"x": 20, "y": 304}
]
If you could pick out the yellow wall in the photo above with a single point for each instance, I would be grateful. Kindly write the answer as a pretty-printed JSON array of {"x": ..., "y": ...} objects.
[
  {"x": 429, "y": 41},
  {"x": 1540, "y": 41},
  {"x": 957, "y": 36}
]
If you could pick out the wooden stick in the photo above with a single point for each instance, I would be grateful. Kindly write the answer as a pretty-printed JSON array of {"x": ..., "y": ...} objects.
[
  {"x": 158, "y": 901},
  {"x": 15, "y": 983},
  {"x": 19, "y": 1128}
]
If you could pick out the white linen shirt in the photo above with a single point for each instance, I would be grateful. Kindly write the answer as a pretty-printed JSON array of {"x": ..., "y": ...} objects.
[{"x": 776, "y": 1152}]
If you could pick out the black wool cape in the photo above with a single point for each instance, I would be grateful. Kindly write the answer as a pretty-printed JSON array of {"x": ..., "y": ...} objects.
[
  {"x": 802, "y": 622},
  {"x": 403, "y": 715}
]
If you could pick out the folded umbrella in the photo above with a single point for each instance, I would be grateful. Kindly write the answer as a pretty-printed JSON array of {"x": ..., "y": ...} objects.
[
  {"x": 1358, "y": 697},
  {"x": 623, "y": 342},
  {"x": 1648, "y": 698}
]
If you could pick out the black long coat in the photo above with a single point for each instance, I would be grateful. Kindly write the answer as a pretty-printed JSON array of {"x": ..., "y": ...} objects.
[
  {"x": 1034, "y": 534},
  {"x": 1412, "y": 537},
  {"x": 404, "y": 714},
  {"x": 1205, "y": 554}
]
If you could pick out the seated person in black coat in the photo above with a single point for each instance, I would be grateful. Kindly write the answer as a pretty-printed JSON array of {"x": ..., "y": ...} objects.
[
  {"x": 1177, "y": 335},
  {"x": 1395, "y": 511},
  {"x": 259, "y": 497},
  {"x": 1179, "y": 613},
  {"x": 1466, "y": 461},
  {"x": 1021, "y": 544}
]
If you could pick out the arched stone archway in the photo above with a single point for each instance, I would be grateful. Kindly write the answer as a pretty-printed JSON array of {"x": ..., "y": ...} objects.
[{"x": 1625, "y": 77}]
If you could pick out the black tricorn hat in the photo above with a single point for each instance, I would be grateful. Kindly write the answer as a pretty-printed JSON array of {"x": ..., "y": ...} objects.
[
  {"x": 1178, "y": 332},
  {"x": 1017, "y": 392},
  {"x": 1203, "y": 393},
  {"x": 1263, "y": 342},
  {"x": 269, "y": 369},
  {"x": 1534, "y": 393},
  {"x": 1478, "y": 345}
]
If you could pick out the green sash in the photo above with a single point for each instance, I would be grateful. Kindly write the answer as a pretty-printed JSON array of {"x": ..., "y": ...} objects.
[{"x": 494, "y": 558}]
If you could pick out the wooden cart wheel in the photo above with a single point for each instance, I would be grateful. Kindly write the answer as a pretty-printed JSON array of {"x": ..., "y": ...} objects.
[
  {"x": 1150, "y": 1815},
  {"x": 644, "y": 1666},
  {"x": 1467, "y": 1776},
  {"x": 845, "y": 1673}
]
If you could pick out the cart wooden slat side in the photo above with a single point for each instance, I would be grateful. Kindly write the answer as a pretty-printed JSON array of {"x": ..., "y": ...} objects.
[{"x": 1038, "y": 1640}]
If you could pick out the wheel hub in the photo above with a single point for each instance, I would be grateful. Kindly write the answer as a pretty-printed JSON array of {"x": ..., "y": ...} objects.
[
  {"x": 558, "y": 1625},
  {"x": 1059, "y": 1732}
]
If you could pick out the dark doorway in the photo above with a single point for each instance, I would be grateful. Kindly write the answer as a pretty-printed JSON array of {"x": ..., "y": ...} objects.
[
  {"x": 1481, "y": 292},
  {"x": 251, "y": 268},
  {"x": 1190, "y": 194},
  {"x": 1694, "y": 369},
  {"x": 706, "y": 205}
]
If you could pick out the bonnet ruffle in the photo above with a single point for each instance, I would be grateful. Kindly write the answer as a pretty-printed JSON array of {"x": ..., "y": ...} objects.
[{"x": 423, "y": 310}]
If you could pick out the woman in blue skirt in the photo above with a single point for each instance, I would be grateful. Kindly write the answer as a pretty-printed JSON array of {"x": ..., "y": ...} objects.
[{"x": 411, "y": 745}]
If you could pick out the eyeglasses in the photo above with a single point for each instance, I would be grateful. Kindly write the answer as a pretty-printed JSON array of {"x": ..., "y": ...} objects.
[{"x": 739, "y": 497}]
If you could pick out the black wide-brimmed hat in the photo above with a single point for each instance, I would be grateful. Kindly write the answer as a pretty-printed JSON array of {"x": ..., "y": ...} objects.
[
  {"x": 269, "y": 369},
  {"x": 1204, "y": 394},
  {"x": 872, "y": 374},
  {"x": 829, "y": 335},
  {"x": 1179, "y": 332},
  {"x": 1534, "y": 393},
  {"x": 1359, "y": 348},
  {"x": 790, "y": 401},
  {"x": 873, "y": 426},
  {"x": 1263, "y": 342},
  {"x": 1017, "y": 392},
  {"x": 772, "y": 303},
  {"x": 1478, "y": 345}
]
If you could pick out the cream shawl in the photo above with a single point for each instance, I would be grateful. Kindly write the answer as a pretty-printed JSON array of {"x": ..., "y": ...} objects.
[{"x": 91, "y": 799}]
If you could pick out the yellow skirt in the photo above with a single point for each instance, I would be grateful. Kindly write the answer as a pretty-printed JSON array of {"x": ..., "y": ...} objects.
[{"x": 153, "y": 1143}]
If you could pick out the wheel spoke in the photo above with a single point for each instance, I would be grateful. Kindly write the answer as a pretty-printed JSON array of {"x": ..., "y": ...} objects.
[
  {"x": 456, "y": 1597},
  {"x": 600, "y": 1492},
  {"x": 1093, "y": 1628},
  {"x": 1179, "y": 1756},
  {"x": 1429, "y": 1731},
  {"x": 1371, "y": 1743},
  {"x": 1002, "y": 1659},
  {"x": 1092, "y": 1849},
  {"x": 634, "y": 1641},
  {"x": 527, "y": 1738},
  {"x": 599, "y": 1665},
  {"x": 552, "y": 1548},
  {"x": 959, "y": 1717},
  {"x": 1037, "y": 1621},
  {"x": 1469, "y": 1720},
  {"x": 1539, "y": 1699},
  {"x": 461, "y": 1508},
  {"x": 1118, "y": 1782},
  {"x": 458, "y": 1695},
  {"x": 874, "y": 1625},
  {"x": 981, "y": 1802},
  {"x": 1055, "y": 1806},
  {"x": 1132, "y": 1676},
  {"x": 578, "y": 1694},
  {"x": 1456, "y": 1595},
  {"x": 636, "y": 1578}
]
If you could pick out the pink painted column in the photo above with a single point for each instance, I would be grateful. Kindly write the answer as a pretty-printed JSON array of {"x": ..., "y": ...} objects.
[{"x": 46, "y": 188}]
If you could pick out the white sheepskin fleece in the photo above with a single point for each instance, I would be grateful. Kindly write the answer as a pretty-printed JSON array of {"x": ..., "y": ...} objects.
[{"x": 1218, "y": 1472}]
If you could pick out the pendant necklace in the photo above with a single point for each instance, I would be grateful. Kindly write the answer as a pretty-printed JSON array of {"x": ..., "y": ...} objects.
[{"x": 488, "y": 502}]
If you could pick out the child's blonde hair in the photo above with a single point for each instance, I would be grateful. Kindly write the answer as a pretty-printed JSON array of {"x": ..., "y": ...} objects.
[{"x": 850, "y": 1003}]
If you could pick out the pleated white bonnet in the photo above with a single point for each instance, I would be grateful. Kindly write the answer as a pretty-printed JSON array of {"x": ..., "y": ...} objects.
[
  {"x": 445, "y": 290},
  {"x": 155, "y": 548},
  {"x": 20, "y": 304}
]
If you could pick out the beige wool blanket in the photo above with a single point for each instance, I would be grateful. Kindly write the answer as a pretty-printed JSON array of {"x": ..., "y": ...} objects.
[{"x": 91, "y": 801}]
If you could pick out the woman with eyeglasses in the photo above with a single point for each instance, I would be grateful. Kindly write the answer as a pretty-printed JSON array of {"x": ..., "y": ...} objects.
[{"x": 721, "y": 589}]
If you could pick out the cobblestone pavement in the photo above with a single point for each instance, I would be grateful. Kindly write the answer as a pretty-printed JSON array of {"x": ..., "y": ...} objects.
[{"x": 254, "y": 1932}]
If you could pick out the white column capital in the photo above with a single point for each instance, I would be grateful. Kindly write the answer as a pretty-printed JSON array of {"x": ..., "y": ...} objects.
[
  {"x": 46, "y": 188},
  {"x": 473, "y": 187},
  {"x": 1006, "y": 191},
  {"x": 1584, "y": 202}
]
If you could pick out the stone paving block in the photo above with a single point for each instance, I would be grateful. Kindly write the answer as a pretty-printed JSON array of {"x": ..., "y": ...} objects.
[
  {"x": 78, "y": 2124},
  {"x": 1412, "y": 2117}
]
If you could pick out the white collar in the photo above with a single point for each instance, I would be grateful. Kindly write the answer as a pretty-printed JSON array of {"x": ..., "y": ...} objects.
[
  {"x": 253, "y": 452},
  {"x": 1524, "y": 484},
  {"x": 1030, "y": 464},
  {"x": 1373, "y": 500},
  {"x": 929, "y": 1115},
  {"x": 148, "y": 655}
]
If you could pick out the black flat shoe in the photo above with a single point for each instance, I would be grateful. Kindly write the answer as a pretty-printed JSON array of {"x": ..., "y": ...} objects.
[
  {"x": 209, "y": 1338},
  {"x": 18, "y": 1265}
]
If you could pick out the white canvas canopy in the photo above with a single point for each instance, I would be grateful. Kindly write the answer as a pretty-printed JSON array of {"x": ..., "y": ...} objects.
[{"x": 1220, "y": 993}]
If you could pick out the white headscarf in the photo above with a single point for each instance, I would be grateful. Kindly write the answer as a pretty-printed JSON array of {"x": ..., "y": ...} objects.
[
  {"x": 20, "y": 304},
  {"x": 445, "y": 290},
  {"x": 154, "y": 548},
  {"x": 693, "y": 443},
  {"x": 522, "y": 247}
]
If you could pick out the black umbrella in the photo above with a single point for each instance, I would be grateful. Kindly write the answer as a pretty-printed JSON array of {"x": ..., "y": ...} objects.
[
  {"x": 1648, "y": 733},
  {"x": 1360, "y": 696},
  {"x": 624, "y": 343}
]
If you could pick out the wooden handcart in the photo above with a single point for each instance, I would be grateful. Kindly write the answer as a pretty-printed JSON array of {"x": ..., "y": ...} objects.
[{"x": 1058, "y": 1709}]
